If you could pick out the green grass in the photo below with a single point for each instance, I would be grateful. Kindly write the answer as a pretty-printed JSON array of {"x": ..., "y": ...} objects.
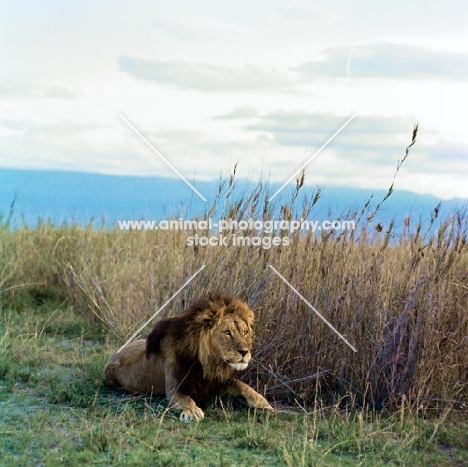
[{"x": 56, "y": 409}]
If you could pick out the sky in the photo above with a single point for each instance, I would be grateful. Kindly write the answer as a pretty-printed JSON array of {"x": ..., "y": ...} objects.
[{"x": 263, "y": 84}]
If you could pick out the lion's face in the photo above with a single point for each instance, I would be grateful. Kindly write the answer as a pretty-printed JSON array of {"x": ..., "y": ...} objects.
[{"x": 231, "y": 341}]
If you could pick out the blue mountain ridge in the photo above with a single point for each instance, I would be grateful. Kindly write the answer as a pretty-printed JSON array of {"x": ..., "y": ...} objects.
[{"x": 65, "y": 197}]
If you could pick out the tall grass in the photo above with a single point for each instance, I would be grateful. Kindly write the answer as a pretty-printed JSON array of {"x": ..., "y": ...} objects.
[{"x": 401, "y": 301}]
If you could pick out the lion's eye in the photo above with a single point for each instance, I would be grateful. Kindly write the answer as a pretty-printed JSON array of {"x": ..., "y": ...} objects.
[
  {"x": 246, "y": 332},
  {"x": 227, "y": 333}
]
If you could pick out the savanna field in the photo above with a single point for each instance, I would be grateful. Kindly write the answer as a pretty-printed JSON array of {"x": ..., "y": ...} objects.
[{"x": 71, "y": 295}]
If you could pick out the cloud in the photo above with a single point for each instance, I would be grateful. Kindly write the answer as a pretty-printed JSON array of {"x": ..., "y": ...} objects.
[
  {"x": 51, "y": 144},
  {"x": 372, "y": 61},
  {"x": 207, "y": 78},
  {"x": 24, "y": 91},
  {"x": 385, "y": 60},
  {"x": 59, "y": 92},
  {"x": 313, "y": 129},
  {"x": 445, "y": 158},
  {"x": 188, "y": 28},
  {"x": 10, "y": 90},
  {"x": 239, "y": 112},
  {"x": 366, "y": 153}
]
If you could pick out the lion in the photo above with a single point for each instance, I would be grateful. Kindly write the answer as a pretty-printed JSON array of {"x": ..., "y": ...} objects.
[{"x": 191, "y": 357}]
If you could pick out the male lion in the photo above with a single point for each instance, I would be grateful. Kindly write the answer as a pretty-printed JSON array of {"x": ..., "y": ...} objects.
[{"x": 191, "y": 357}]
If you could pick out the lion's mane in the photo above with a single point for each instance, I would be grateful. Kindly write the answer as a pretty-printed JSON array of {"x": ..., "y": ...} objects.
[{"x": 188, "y": 336}]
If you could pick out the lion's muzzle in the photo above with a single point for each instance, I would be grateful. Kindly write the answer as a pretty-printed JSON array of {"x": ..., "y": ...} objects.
[{"x": 239, "y": 366}]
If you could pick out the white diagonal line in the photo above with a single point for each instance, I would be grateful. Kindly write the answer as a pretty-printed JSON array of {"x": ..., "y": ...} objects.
[
  {"x": 313, "y": 309},
  {"x": 162, "y": 157},
  {"x": 316, "y": 154},
  {"x": 152, "y": 317}
]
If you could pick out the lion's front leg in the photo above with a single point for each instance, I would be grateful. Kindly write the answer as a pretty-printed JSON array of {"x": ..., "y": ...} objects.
[
  {"x": 190, "y": 410},
  {"x": 253, "y": 398}
]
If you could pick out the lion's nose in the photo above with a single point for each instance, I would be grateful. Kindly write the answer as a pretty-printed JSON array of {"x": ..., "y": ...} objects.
[{"x": 243, "y": 352}]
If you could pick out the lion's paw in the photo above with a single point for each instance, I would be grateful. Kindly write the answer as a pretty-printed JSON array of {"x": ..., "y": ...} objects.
[
  {"x": 259, "y": 402},
  {"x": 189, "y": 415}
]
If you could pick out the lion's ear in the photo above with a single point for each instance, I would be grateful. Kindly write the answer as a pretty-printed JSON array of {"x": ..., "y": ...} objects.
[
  {"x": 210, "y": 323},
  {"x": 208, "y": 320},
  {"x": 208, "y": 317}
]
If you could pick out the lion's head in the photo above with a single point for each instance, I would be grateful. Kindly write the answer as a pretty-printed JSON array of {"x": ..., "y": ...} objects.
[{"x": 215, "y": 332}]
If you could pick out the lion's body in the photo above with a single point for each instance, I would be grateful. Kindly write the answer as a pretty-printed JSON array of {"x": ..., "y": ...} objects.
[
  {"x": 131, "y": 370},
  {"x": 191, "y": 357}
]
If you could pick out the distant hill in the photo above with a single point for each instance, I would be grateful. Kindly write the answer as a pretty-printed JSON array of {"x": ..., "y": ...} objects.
[{"x": 84, "y": 197}]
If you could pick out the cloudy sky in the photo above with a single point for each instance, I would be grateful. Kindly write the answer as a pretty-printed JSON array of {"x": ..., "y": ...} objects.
[{"x": 261, "y": 83}]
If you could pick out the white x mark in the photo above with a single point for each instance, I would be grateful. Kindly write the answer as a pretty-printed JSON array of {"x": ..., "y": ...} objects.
[
  {"x": 152, "y": 317},
  {"x": 316, "y": 154},
  {"x": 313, "y": 309},
  {"x": 162, "y": 157}
]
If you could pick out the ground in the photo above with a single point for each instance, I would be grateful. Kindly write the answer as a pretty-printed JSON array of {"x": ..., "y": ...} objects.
[{"x": 56, "y": 409}]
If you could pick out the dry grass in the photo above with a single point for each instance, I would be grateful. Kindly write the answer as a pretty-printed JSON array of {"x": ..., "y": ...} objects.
[{"x": 400, "y": 302}]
